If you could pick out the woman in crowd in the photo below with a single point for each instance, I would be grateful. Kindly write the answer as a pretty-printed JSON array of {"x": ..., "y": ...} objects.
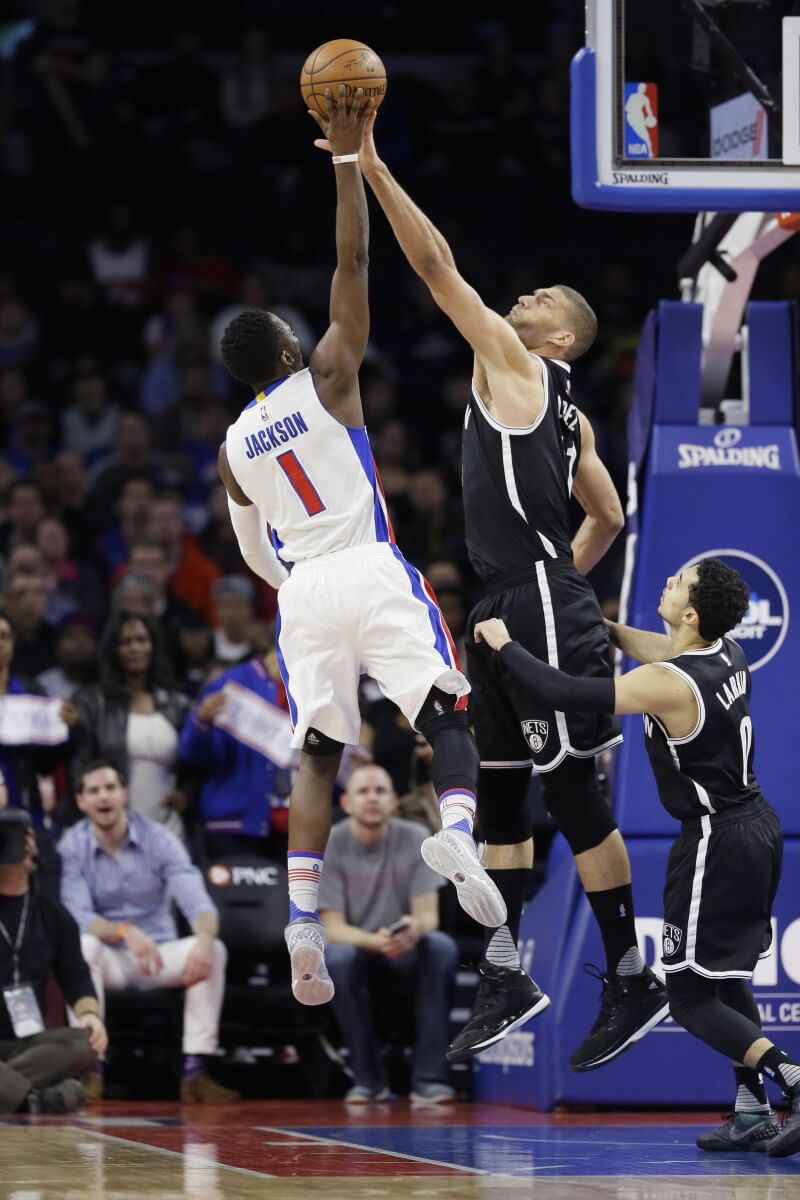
[{"x": 132, "y": 718}]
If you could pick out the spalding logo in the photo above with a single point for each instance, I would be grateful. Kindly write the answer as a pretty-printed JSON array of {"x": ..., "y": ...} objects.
[{"x": 763, "y": 629}]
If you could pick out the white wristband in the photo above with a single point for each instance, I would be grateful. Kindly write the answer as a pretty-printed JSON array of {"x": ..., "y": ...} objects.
[{"x": 342, "y": 158}]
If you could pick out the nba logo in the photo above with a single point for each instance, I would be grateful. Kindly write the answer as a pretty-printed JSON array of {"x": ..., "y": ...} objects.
[{"x": 641, "y": 120}]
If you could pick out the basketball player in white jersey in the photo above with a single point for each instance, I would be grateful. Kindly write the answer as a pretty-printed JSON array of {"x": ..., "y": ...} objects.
[{"x": 309, "y": 514}]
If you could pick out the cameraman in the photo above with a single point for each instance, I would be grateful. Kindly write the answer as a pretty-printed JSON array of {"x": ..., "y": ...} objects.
[{"x": 37, "y": 1065}]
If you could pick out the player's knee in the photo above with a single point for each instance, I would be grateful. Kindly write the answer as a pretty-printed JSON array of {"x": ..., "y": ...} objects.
[
  {"x": 455, "y": 756},
  {"x": 504, "y": 813},
  {"x": 572, "y": 796},
  {"x": 321, "y": 754},
  {"x": 689, "y": 997}
]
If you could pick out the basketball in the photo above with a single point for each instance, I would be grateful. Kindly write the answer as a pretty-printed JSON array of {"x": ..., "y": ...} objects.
[{"x": 341, "y": 61}]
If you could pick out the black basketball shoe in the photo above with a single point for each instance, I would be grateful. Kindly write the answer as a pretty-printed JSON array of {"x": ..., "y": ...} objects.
[
  {"x": 788, "y": 1140},
  {"x": 741, "y": 1131},
  {"x": 506, "y": 999},
  {"x": 630, "y": 1006}
]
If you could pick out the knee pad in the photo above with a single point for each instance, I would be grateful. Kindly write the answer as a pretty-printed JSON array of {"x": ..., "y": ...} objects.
[
  {"x": 572, "y": 796},
  {"x": 455, "y": 756},
  {"x": 319, "y": 745},
  {"x": 504, "y": 813}
]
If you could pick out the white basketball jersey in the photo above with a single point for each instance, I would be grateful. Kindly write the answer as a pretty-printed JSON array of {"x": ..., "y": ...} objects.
[{"x": 312, "y": 479}]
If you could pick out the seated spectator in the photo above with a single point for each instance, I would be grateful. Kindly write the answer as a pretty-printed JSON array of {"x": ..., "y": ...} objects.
[
  {"x": 121, "y": 873},
  {"x": 191, "y": 573},
  {"x": 25, "y": 511},
  {"x": 19, "y": 333},
  {"x": 194, "y": 652},
  {"x": 89, "y": 423},
  {"x": 432, "y": 527},
  {"x": 134, "y": 594},
  {"x": 132, "y": 455},
  {"x": 39, "y": 1068},
  {"x": 233, "y": 597},
  {"x": 225, "y": 739},
  {"x": 66, "y": 491},
  {"x": 30, "y": 439},
  {"x": 132, "y": 718},
  {"x": 132, "y": 510},
  {"x": 26, "y": 597},
  {"x": 76, "y": 585},
  {"x": 148, "y": 561},
  {"x": 378, "y": 901},
  {"x": 76, "y": 659}
]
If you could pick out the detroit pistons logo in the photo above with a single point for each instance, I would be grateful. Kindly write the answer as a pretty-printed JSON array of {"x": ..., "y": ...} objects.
[
  {"x": 672, "y": 939},
  {"x": 535, "y": 734}
]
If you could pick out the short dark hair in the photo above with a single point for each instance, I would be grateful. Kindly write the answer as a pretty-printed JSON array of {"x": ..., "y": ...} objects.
[
  {"x": 582, "y": 321},
  {"x": 251, "y": 346},
  {"x": 720, "y": 597},
  {"x": 97, "y": 764}
]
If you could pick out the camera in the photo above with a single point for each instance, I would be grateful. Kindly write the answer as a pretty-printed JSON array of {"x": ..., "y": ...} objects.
[{"x": 14, "y": 826}]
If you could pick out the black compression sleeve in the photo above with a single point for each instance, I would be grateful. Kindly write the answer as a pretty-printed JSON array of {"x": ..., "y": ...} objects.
[{"x": 554, "y": 688}]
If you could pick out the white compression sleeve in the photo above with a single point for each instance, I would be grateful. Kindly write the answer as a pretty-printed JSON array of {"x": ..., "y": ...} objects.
[{"x": 257, "y": 550}]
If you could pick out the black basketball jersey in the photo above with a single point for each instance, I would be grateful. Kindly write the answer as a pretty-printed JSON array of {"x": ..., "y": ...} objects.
[
  {"x": 711, "y": 770},
  {"x": 517, "y": 482}
]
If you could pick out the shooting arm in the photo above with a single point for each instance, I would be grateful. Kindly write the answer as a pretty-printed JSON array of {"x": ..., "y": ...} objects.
[
  {"x": 342, "y": 347},
  {"x": 597, "y": 496}
]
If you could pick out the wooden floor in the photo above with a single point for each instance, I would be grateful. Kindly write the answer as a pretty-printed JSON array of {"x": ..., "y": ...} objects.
[{"x": 322, "y": 1150}]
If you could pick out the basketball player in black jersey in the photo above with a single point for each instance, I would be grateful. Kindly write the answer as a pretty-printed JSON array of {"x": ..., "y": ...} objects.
[
  {"x": 724, "y": 867},
  {"x": 527, "y": 449}
]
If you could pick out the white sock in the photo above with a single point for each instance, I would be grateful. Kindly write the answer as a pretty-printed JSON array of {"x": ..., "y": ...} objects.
[
  {"x": 305, "y": 871},
  {"x": 457, "y": 808}
]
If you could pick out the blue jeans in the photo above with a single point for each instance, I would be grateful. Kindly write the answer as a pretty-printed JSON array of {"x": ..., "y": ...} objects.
[{"x": 429, "y": 970}]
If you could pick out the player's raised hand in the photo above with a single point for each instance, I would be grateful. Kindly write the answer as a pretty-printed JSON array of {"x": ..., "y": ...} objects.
[
  {"x": 344, "y": 127},
  {"x": 493, "y": 632}
]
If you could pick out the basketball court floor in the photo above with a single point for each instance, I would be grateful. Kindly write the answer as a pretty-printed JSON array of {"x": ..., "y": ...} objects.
[{"x": 304, "y": 1148}]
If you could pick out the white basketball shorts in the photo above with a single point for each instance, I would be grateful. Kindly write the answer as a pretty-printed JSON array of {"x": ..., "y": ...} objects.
[{"x": 364, "y": 610}]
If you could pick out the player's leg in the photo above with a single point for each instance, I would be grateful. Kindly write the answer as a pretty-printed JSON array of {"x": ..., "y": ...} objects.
[
  {"x": 309, "y": 828},
  {"x": 422, "y": 675},
  {"x": 319, "y": 667},
  {"x": 454, "y": 773},
  {"x": 634, "y": 999},
  {"x": 697, "y": 1004}
]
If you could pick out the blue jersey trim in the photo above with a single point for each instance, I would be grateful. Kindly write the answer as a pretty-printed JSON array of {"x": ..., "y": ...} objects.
[
  {"x": 360, "y": 442},
  {"x": 417, "y": 590},
  {"x": 283, "y": 670},
  {"x": 276, "y": 383}
]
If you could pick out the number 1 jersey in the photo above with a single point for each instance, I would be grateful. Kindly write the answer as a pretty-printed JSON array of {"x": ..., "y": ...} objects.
[{"x": 312, "y": 478}]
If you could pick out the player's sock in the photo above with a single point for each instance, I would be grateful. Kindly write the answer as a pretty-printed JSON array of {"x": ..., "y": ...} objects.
[
  {"x": 784, "y": 1070},
  {"x": 751, "y": 1095},
  {"x": 613, "y": 910},
  {"x": 305, "y": 870},
  {"x": 500, "y": 945},
  {"x": 457, "y": 808},
  {"x": 193, "y": 1064},
  {"x": 501, "y": 949}
]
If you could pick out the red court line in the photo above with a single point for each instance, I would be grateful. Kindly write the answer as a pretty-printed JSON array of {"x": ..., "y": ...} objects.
[{"x": 285, "y": 1154}]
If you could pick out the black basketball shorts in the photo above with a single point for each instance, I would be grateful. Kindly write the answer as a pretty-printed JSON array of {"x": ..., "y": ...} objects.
[
  {"x": 552, "y": 612},
  {"x": 722, "y": 875}
]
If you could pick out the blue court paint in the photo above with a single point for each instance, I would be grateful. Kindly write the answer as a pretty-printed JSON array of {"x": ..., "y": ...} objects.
[{"x": 610, "y": 1150}]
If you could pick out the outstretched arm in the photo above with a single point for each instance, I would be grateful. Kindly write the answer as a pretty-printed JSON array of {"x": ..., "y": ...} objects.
[
  {"x": 492, "y": 339},
  {"x": 594, "y": 490},
  {"x": 338, "y": 355},
  {"x": 650, "y": 689}
]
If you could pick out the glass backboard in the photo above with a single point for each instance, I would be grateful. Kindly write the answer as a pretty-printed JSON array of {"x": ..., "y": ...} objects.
[{"x": 688, "y": 105}]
